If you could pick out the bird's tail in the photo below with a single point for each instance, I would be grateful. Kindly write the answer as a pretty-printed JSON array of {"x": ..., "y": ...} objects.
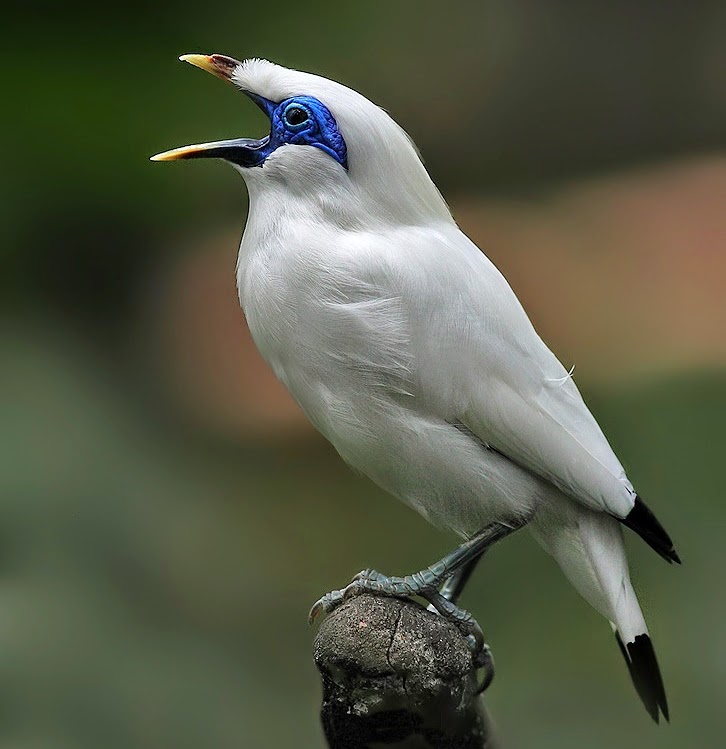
[
  {"x": 588, "y": 546},
  {"x": 643, "y": 667}
]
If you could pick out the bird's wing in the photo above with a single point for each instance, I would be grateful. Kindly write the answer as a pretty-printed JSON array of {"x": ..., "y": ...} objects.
[
  {"x": 481, "y": 362},
  {"x": 541, "y": 423}
]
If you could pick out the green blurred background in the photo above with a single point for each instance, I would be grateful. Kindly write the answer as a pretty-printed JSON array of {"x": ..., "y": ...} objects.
[{"x": 167, "y": 516}]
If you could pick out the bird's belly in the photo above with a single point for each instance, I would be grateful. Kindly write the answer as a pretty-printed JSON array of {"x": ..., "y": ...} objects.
[
  {"x": 451, "y": 479},
  {"x": 349, "y": 367}
]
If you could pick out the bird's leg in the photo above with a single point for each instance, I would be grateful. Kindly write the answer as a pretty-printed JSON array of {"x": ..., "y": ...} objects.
[
  {"x": 453, "y": 587},
  {"x": 425, "y": 584}
]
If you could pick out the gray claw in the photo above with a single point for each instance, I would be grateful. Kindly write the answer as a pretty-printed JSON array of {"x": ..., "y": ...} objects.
[
  {"x": 330, "y": 601},
  {"x": 485, "y": 661},
  {"x": 326, "y": 604}
]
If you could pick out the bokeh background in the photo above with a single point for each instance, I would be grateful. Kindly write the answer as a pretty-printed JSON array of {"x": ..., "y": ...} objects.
[{"x": 167, "y": 516}]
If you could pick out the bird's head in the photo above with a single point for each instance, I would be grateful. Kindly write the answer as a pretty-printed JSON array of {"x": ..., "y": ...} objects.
[{"x": 325, "y": 139}]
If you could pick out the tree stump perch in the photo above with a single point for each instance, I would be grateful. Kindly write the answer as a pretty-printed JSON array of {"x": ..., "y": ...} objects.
[{"x": 397, "y": 675}]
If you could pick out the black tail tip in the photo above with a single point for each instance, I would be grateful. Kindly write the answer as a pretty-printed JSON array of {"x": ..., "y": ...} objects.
[
  {"x": 641, "y": 520},
  {"x": 643, "y": 667}
]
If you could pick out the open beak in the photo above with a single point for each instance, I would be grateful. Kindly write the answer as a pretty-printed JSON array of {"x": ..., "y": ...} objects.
[
  {"x": 244, "y": 152},
  {"x": 236, "y": 150}
]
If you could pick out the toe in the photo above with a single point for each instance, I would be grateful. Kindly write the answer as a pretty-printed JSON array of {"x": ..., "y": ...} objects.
[{"x": 315, "y": 610}]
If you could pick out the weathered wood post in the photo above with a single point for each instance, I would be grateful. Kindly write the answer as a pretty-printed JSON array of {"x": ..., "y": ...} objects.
[{"x": 397, "y": 675}]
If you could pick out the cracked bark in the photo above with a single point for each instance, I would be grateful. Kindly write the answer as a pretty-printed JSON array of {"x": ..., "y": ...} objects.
[{"x": 397, "y": 675}]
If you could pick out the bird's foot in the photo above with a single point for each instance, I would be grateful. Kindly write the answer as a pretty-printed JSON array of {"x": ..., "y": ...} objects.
[
  {"x": 371, "y": 581},
  {"x": 424, "y": 584}
]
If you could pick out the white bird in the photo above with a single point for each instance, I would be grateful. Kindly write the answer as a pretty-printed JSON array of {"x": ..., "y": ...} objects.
[{"x": 409, "y": 351}]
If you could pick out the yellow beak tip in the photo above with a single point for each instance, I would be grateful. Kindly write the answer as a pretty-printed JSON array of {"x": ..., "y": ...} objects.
[
  {"x": 195, "y": 59},
  {"x": 167, "y": 155}
]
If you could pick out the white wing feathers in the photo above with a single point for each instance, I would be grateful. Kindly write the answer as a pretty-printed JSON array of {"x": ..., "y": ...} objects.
[
  {"x": 552, "y": 433},
  {"x": 480, "y": 350}
]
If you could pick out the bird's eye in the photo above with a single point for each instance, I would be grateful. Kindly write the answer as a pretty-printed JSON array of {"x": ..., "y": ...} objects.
[{"x": 295, "y": 116}]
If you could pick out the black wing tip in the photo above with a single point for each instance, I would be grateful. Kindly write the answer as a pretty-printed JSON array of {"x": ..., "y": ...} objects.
[
  {"x": 642, "y": 664},
  {"x": 642, "y": 520}
]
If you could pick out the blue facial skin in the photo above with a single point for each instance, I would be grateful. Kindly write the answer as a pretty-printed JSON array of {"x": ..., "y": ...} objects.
[{"x": 300, "y": 120}]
